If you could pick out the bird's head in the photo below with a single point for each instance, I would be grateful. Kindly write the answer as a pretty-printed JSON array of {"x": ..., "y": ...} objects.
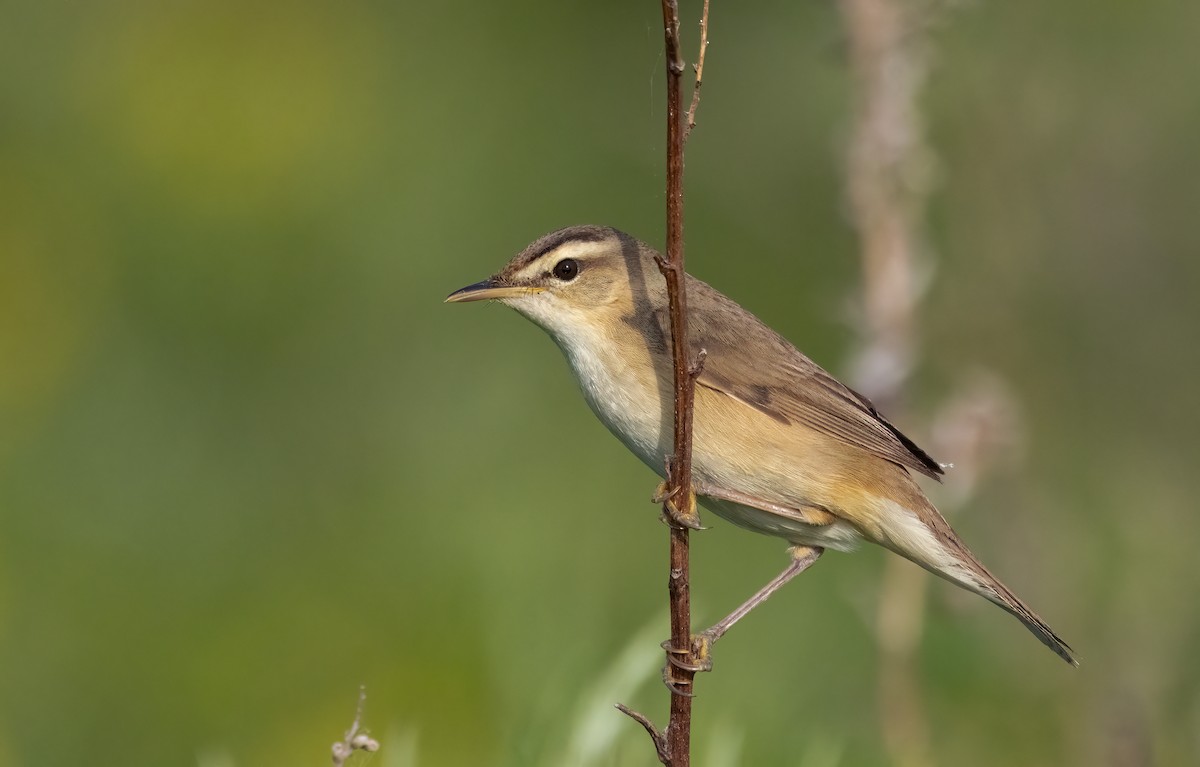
[{"x": 575, "y": 279}]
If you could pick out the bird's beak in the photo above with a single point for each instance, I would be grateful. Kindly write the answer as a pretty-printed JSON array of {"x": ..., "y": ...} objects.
[{"x": 490, "y": 288}]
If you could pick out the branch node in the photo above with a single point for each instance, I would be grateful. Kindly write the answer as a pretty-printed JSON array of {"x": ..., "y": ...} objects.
[
  {"x": 658, "y": 737},
  {"x": 665, "y": 265}
]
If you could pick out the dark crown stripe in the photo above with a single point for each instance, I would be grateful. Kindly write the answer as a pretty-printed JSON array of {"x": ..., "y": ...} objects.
[{"x": 556, "y": 240}]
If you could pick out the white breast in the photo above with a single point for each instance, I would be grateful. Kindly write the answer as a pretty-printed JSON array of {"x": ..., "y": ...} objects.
[{"x": 622, "y": 392}]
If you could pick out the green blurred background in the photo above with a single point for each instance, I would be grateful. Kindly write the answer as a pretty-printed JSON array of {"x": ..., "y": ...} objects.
[{"x": 248, "y": 460}]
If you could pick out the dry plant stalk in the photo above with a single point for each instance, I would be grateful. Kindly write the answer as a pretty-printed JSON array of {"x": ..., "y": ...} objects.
[
  {"x": 887, "y": 209},
  {"x": 354, "y": 740},
  {"x": 673, "y": 744},
  {"x": 887, "y": 183}
]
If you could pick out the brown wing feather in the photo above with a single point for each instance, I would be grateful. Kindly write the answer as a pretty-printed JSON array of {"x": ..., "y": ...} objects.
[{"x": 760, "y": 368}]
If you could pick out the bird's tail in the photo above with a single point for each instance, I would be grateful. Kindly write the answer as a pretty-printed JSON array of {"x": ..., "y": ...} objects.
[
  {"x": 990, "y": 587},
  {"x": 940, "y": 551}
]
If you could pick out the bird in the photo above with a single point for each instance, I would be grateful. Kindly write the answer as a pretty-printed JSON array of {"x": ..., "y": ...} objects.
[{"x": 780, "y": 446}]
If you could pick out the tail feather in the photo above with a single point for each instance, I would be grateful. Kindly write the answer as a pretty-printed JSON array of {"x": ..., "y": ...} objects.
[
  {"x": 992, "y": 589},
  {"x": 924, "y": 537}
]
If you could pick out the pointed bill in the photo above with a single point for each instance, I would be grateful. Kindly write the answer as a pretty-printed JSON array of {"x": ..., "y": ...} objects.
[{"x": 490, "y": 289}]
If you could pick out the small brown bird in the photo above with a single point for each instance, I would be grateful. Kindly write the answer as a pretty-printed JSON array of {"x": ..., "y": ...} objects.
[{"x": 780, "y": 446}]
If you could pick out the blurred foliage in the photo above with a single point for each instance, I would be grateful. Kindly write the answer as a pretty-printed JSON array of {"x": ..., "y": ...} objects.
[{"x": 248, "y": 460}]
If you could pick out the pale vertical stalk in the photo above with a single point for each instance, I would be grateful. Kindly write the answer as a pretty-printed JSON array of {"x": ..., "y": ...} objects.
[
  {"x": 887, "y": 202},
  {"x": 356, "y": 739}
]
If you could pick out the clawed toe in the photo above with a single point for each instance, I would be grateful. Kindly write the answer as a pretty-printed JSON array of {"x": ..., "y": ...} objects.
[
  {"x": 673, "y": 514},
  {"x": 661, "y": 493},
  {"x": 677, "y": 686},
  {"x": 676, "y": 518},
  {"x": 692, "y": 661}
]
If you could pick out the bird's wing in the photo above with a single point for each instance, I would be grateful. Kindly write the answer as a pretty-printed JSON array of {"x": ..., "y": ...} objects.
[{"x": 756, "y": 366}]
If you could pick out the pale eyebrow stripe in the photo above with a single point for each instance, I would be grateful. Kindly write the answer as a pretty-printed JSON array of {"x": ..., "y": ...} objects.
[{"x": 560, "y": 239}]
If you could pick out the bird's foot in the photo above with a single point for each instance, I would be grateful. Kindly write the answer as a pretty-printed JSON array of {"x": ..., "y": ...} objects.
[
  {"x": 661, "y": 493},
  {"x": 682, "y": 665},
  {"x": 674, "y": 513}
]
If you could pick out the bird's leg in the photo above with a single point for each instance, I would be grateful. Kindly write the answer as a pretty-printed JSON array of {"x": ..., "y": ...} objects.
[{"x": 802, "y": 558}]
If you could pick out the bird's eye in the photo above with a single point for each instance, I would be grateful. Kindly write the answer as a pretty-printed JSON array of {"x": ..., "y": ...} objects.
[{"x": 567, "y": 269}]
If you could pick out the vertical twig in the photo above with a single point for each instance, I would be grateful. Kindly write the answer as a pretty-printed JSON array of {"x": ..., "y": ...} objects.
[
  {"x": 673, "y": 745},
  {"x": 679, "y": 479}
]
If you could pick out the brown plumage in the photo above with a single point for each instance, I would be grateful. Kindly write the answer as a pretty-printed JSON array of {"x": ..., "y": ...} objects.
[{"x": 781, "y": 447}]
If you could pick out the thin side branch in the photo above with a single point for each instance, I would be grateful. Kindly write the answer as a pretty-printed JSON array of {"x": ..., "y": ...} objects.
[
  {"x": 658, "y": 738},
  {"x": 691, "y": 114}
]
